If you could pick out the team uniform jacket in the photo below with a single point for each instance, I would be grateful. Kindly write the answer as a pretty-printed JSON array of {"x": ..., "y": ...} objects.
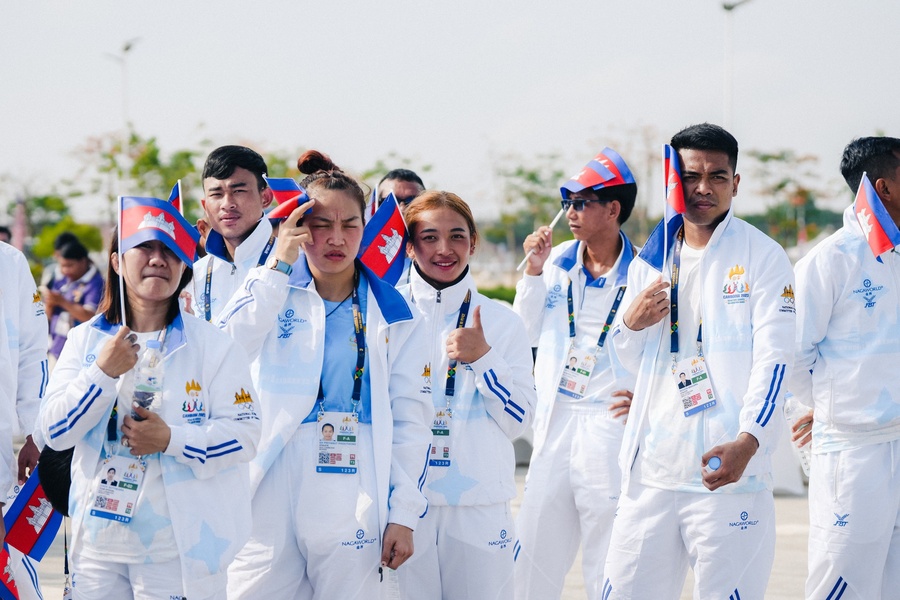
[
  {"x": 23, "y": 354},
  {"x": 227, "y": 276},
  {"x": 541, "y": 302},
  {"x": 848, "y": 340},
  {"x": 280, "y": 320},
  {"x": 494, "y": 396},
  {"x": 203, "y": 470},
  {"x": 747, "y": 341}
]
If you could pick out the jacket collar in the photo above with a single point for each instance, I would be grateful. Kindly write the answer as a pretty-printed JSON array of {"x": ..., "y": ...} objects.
[
  {"x": 390, "y": 302},
  {"x": 175, "y": 335},
  {"x": 250, "y": 248},
  {"x": 662, "y": 239},
  {"x": 573, "y": 257},
  {"x": 451, "y": 297}
]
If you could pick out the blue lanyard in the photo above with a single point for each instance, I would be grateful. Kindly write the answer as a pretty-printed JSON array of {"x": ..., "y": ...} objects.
[
  {"x": 359, "y": 328},
  {"x": 673, "y": 297},
  {"x": 207, "y": 302},
  {"x": 609, "y": 319},
  {"x": 451, "y": 366}
]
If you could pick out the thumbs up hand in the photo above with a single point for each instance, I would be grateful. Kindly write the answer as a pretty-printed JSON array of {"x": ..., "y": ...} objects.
[{"x": 467, "y": 344}]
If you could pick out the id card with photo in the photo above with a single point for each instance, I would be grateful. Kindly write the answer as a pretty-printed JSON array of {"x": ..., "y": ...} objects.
[
  {"x": 337, "y": 442},
  {"x": 576, "y": 373},
  {"x": 694, "y": 385},
  {"x": 117, "y": 487},
  {"x": 440, "y": 445}
]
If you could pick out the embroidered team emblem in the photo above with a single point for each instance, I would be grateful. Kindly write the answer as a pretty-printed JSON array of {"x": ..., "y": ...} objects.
[
  {"x": 193, "y": 410},
  {"x": 243, "y": 397},
  {"x": 787, "y": 300},
  {"x": 736, "y": 289},
  {"x": 869, "y": 294},
  {"x": 245, "y": 402},
  {"x": 426, "y": 379}
]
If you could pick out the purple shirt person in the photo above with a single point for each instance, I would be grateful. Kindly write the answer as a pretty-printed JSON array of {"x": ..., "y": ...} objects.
[{"x": 74, "y": 297}]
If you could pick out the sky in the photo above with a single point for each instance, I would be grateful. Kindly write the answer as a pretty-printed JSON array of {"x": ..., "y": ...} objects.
[{"x": 458, "y": 85}]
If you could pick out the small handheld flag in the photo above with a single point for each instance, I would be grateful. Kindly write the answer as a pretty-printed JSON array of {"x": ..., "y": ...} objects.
[
  {"x": 145, "y": 219},
  {"x": 288, "y": 194},
  {"x": 371, "y": 206},
  {"x": 31, "y": 523},
  {"x": 673, "y": 219},
  {"x": 607, "y": 169},
  {"x": 384, "y": 240},
  {"x": 879, "y": 228},
  {"x": 8, "y": 589},
  {"x": 175, "y": 197}
]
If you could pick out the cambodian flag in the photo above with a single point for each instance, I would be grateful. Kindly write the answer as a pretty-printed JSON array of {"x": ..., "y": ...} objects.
[
  {"x": 144, "y": 219},
  {"x": 383, "y": 245},
  {"x": 879, "y": 228},
  {"x": 31, "y": 523},
  {"x": 371, "y": 206},
  {"x": 288, "y": 194},
  {"x": 607, "y": 169},
  {"x": 175, "y": 196},
  {"x": 8, "y": 589}
]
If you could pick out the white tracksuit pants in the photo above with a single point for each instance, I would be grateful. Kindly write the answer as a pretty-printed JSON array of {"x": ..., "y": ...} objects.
[{"x": 570, "y": 498}]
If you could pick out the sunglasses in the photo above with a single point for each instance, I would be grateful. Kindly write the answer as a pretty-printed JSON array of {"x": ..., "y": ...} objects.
[{"x": 577, "y": 203}]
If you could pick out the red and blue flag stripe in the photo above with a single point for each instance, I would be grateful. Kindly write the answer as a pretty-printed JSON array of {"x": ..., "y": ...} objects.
[{"x": 879, "y": 228}]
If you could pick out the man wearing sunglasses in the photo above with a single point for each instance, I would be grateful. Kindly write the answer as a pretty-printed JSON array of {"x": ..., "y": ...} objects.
[{"x": 568, "y": 298}]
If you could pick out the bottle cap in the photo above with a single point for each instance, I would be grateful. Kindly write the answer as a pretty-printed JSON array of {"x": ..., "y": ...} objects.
[
  {"x": 714, "y": 463},
  {"x": 154, "y": 344}
]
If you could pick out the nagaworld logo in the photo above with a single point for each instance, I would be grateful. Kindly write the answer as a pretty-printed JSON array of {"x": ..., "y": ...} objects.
[
  {"x": 869, "y": 292},
  {"x": 502, "y": 542},
  {"x": 745, "y": 521},
  {"x": 360, "y": 541}
]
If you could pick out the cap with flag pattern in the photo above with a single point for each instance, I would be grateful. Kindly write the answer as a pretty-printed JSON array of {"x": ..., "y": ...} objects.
[
  {"x": 606, "y": 170},
  {"x": 145, "y": 219}
]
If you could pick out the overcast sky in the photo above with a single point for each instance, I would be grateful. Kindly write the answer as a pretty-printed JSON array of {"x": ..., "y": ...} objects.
[{"x": 454, "y": 84}]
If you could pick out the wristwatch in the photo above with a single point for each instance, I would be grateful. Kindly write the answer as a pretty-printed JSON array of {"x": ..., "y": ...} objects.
[{"x": 280, "y": 265}]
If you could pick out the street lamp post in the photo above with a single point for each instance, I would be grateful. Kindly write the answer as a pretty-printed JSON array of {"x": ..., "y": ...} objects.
[
  {"x": 728, "y": 79},
  {"x": 121, "y": 59}
]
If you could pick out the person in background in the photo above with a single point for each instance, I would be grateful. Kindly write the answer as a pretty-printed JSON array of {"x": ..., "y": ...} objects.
[
  {"x": 483, "y": 397},
  {"x": 73, "y": 298},
  {"x": 404, "y": 184},
  {"x": 5, "y": 234},
  {"x": 848, "y": 347}
]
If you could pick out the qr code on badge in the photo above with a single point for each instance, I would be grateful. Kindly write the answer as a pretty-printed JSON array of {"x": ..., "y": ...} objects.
[
  {"x": 324, "y": 458},
  {"x": 99, "y": 502}
]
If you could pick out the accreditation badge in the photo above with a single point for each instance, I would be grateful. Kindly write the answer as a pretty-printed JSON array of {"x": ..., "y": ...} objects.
[
  {"x": 337, "y": 442},
  {"x": 116, "y": 488},
  {"x": 577, "y": 373},
  {"x": 440, "y": 445},
  {"x": 694, "y": 385}
]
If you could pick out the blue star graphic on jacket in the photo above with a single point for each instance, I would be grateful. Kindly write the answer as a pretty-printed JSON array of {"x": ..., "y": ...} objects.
[
  {"x": 452, "y": 485},
  {"x": 209, "y": 549}
]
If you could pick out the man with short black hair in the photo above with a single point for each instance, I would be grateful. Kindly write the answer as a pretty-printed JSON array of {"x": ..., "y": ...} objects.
[
  {"x": 848, "y": 350},
  {"x": 697, "y": 481},
  {"x": 405, "y": 185},
  {"x": 235, "y": 196}
]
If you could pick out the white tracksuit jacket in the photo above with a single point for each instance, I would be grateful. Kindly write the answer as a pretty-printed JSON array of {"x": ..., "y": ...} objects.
[
  {"x": 204, "y": 468},
  {"x": 541, "y": 302},
  {"x": 848, "y": 335},
  {"x": 227, "y": 276},
  {"x": 280, "y": 320},
  {"x": 747, "y": 342},
  {"x": 23, "y": 355},
  {"x": 494, "y": 396}
]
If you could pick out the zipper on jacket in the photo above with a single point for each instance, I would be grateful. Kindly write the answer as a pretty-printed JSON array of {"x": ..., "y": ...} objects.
[{"x": 233, "y": 268}]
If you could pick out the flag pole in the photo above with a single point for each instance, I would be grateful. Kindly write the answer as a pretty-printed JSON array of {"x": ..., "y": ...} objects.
[
  {"x": 553, "y": 223},
  {"x": 665, "y": 220},
  {"x": 121, "y": 263}
]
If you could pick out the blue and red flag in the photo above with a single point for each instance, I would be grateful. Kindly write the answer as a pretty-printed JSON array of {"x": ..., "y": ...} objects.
[
  {"x": 879, "y": 228},
  {"x": 607, "y": 169},
  {"x": 175, "y": 196},
  {"x": 288, "y": 194},
  {"x": 371, "y": 206},
  {"x": 31, "y": 523},
  {"x": 383, "y": 245},
  {"x": 145, "y": 219},
  {"x": 8, "y": 589}
]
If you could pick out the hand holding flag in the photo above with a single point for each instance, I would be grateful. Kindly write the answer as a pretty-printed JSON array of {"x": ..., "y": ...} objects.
[
  {"x": 383, "y": 246},
  {"x": 288, "y": 194},
  {"x": 879, "y": 228},
  {"x": 292, "y": 235}
]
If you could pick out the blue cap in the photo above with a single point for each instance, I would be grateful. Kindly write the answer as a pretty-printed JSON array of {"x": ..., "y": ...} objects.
[{"x": 714, "y": 463}]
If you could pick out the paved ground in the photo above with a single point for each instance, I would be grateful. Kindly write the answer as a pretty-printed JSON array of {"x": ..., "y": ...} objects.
[{"x": 786, "y": 583}]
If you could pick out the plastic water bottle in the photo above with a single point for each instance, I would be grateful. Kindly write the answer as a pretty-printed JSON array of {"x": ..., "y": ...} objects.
[
  {"x": 148, "y": 379},
  {"x": 793, "y": 412}
]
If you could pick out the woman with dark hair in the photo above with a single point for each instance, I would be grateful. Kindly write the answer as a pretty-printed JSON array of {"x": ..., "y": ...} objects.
[
  {"x": 180, "y": 509},
  {"x": 72, "y": 298},
  {"x": 334, "y": 344},
  {"x": 482, "y": 394}
]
